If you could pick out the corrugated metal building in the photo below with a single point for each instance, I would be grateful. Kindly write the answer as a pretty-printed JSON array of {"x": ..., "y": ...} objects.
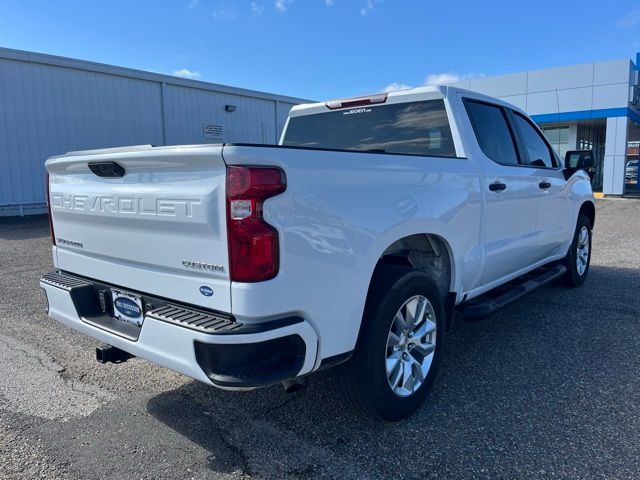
[{"x": 51, "y": 105}]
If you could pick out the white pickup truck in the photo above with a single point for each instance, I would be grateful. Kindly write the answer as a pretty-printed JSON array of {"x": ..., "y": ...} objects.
[{"x": 350, "y": 244}]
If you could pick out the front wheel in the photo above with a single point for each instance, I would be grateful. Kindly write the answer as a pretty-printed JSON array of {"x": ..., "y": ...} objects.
[
  {"x": 399, "y": 348},
  {"x": 578, "y": 258}
]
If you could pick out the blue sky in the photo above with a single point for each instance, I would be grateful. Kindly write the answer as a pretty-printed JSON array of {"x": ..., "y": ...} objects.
[{"x": 321, "y": 49}]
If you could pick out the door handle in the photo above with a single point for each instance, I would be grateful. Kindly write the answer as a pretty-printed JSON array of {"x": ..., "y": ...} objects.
[
  {"x": 497, "y": 186},
  {"x": 544, "y": 185}
]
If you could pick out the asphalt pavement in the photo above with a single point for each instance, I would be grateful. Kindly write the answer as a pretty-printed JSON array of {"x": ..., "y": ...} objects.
[{"x": 548, "y": 388}]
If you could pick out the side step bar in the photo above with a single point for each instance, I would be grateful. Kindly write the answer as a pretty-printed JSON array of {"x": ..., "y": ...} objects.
[{"x": 480, "y": 310}]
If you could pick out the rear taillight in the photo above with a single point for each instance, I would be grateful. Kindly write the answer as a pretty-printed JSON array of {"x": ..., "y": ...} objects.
[
  {"x": 253, "y": 243},
  {"x": 48, "y": 188}
]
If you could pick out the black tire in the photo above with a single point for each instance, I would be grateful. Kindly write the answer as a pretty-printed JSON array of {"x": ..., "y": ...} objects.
[
  {"x": 363, "y": 379},
  {"x": 574, "y": 277}
]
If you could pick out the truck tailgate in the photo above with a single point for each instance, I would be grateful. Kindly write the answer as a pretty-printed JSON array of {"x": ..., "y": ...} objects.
[{"x": 158, "y": 229}]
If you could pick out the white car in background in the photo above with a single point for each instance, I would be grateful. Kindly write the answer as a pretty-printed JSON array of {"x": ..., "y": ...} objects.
[
  {"x": 350, "y": 244},
  {"x": 631, "y": 171}
]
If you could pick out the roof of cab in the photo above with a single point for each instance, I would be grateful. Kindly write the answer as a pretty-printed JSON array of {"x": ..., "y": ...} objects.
[{"x": 432, "y": 92}]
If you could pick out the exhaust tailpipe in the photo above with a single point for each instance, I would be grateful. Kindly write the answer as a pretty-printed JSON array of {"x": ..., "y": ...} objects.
[
  {"x": 111, "y": 354},
  {"x": 292, "y": 386}
]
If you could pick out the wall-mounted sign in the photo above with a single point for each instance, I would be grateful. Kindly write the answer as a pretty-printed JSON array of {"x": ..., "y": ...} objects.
[{"x": 210, "y": 130}]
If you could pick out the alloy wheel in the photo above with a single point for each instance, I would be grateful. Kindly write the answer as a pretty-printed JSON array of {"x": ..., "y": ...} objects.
[
  {"x": 411, "y": 345},
  {"x": 582, "y": 251}
]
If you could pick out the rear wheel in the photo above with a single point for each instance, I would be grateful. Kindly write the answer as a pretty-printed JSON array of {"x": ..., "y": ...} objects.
[
  {"x": 578, "y": 258},
  {"x": 398, "y": 351}
]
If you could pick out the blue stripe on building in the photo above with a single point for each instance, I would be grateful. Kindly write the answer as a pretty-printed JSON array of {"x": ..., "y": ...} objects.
[{"x": 587, "y": 115}]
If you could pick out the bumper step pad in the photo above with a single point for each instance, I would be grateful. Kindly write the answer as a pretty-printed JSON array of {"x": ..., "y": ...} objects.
[
  {"x": 194, "y": 319},
  {"x": 84, "y": 293},
  {"x": 65, "y": 282},
  {"x": 207, "y": 322}
]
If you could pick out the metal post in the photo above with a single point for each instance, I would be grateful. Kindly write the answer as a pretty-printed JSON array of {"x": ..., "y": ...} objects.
[{"x": 162, "y": 110}]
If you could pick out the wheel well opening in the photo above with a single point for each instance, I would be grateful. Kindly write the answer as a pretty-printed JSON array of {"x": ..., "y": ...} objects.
[
  {"x": 589, "y": 209},
  {"x": 425, "y": 252}
]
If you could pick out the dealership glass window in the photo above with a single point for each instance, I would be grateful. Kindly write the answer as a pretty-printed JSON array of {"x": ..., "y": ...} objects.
[
  {"x": 631, "y": 169},
  {"x": 631, "y": 174},
  {"x": 558, "y": 137},
  {"x": 591, "y": 136}
]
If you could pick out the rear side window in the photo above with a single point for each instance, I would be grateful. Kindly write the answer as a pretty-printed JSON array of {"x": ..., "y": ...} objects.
[
  {"x": 492, "y": 132},
  {"x": 418, "y": 128},
  {"x": 537, "y": 151}
]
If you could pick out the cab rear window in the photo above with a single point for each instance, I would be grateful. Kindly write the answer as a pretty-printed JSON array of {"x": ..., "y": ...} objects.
[{"x": 417, "y": 128}]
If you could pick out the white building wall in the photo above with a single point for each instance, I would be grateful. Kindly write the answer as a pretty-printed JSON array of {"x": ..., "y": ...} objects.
[
  {"x": 585, "y": 87},
  {"x": 51, "y": 105},
  {"x": 615, "y": 155},
  {"x": 573, "y": 137},
  {"x": 188, "y": 110}
]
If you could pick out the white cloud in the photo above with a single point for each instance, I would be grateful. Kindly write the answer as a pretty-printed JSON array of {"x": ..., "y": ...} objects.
[
  {"x": 194, "y": 3},
  {"x": 256, "y": 8},
  {"x": 329, "y": 3},
  {"x": 631, "y": 19},
  {"x": 186, "y": 73},
  {"x": 444, "y": 78},
  {"x": 448, "y": 78},
  {"x": 392, "y": 87},
  {"x": 282, "y": 5},
  {"x": 222, "y": 12},
  {"x": 368, "y": 8}
]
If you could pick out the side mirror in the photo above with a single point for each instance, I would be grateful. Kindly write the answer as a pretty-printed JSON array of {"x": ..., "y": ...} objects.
[{"x": 579, "y": 160}]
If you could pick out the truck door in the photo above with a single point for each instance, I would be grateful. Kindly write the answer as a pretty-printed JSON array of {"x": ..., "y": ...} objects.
[
  {"x": 511, "y": 192},
  {"x": 556, "y": 222}
]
